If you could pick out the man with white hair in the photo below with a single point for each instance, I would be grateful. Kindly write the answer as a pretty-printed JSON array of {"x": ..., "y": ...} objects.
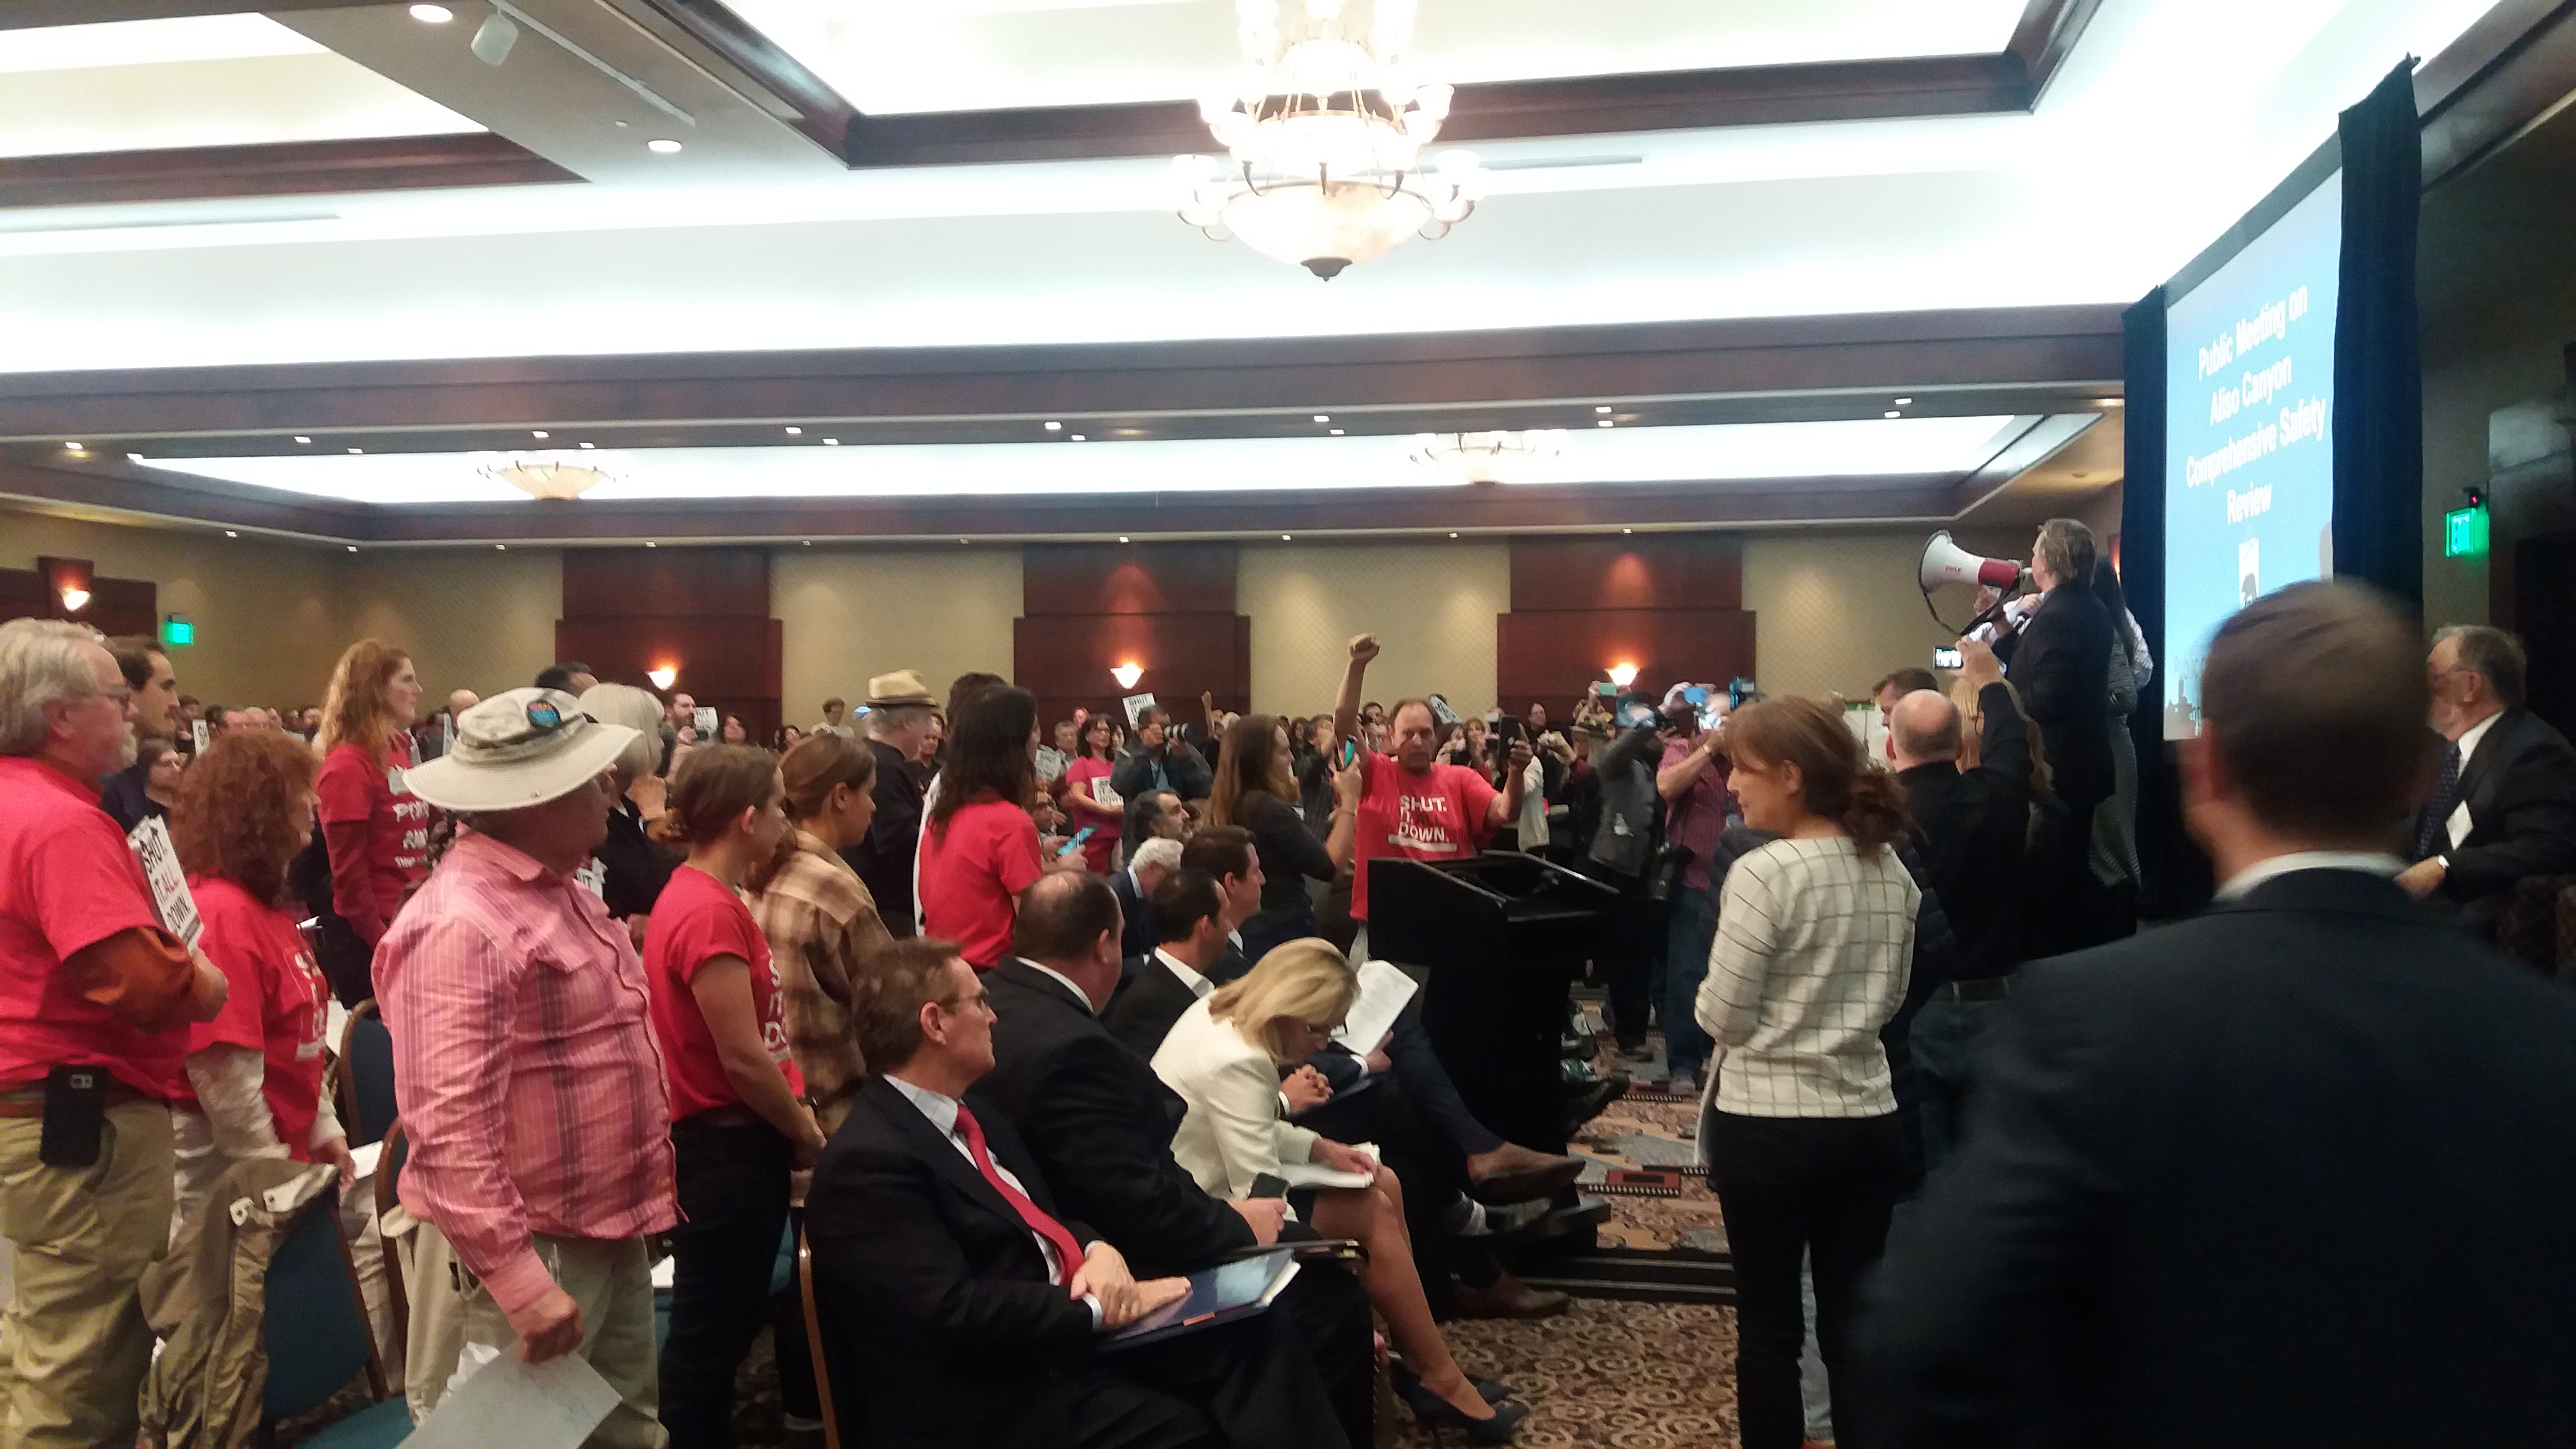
[
  {"x": 530, "y": 1088},
  {"x": 96, "y": 996},
  {"x": 1146, "y": 867}
]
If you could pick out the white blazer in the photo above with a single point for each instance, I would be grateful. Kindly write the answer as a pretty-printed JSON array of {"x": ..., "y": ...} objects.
[{"x": 1233, "y": 1131}]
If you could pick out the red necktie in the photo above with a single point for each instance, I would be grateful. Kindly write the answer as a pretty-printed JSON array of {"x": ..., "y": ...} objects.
[{"x": 1068, "y": 1252}]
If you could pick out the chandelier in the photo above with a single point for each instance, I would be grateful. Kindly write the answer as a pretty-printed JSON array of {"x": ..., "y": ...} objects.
[
  {"x": 1490, "y": 457},
  {"x": 548, "y": 475},
  {"x": 1325, "y": 134}
]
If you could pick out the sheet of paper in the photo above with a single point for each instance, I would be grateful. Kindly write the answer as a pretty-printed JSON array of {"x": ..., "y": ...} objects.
[
  {"x": 1136, "y": 705},
  {"x": 1384, "y": 989},
  {"x": 1050, "y": 762},
  {"x": 151, "y": 842},
  {"x": 1315, "y": 1174},
  {"x": 2458, "y": 824},
  {"x": 335, "y": 1028},
  {"x": 366, "y": 1158},
  {"x": 550, "y": 1405}
]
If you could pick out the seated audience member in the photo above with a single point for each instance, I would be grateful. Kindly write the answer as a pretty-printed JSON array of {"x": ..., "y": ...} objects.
[
  {"x": 1226, "y": 853},
  {"x": 1969, "y": 824},
  {"x": 2288, "y": 1173},
  {"x": 572, "y": 677},
  {"x": 1100, "y": 1123},
  {"x": 1188, "y": 920},
  {"x": 817, "y": 915},
  {"x": 1223, "y": 1057},
  {"x": 1161, "y": 762},
  {"x": 898, "y": 719},
  {"x": 88, "y": 978},
  {"x": 1815, "y": 939},
  {"x": 973, "y": 1308},
  {"x": 1147, "y": 864},
  {"x": 256, "y": 1071},
  {"x": 512, "y": 998},
  {"x": 633, "y": 866},
  {"x": 2503, "y": 804},
  {"x": 738, "y": 1126},
  {"x": 979, "y": 848},
  {"x": 1256, "y": 790},
  {"x": 1155, "y": 815}
]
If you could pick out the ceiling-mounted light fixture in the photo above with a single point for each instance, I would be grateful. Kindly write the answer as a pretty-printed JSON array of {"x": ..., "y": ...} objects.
[
  {"x": 1490, "y": 457},
  {"x": 561, "y": 476},
  {"x": 1127, "y": 674},
  {"x": 1623, "y": 673},
  {"x": 1325, "y": 133},
  {"x": 663, "y": 675},
  {"x": 432, "y": 14},
  {"x": 493, "y": 39}
]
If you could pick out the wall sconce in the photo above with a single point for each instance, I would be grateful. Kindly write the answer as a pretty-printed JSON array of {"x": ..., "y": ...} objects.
[
  {"x": 1127, "y": 674},
  {"x": 69, "y": 578},
  {"x": 663, "y": 675},
  {"x": 74, "y": 600},
  {"x": 1623, "y": 674}
]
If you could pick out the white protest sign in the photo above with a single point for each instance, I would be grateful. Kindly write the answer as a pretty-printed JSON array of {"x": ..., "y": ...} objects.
[{"x": 151, "y": 842}]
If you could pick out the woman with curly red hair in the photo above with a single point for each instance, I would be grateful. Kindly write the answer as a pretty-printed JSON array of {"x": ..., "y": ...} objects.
[{"x": 254, "y": 1086}]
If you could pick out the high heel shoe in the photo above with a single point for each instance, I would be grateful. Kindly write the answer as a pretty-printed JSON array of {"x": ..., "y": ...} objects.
[
  {"x": 1436, "y": 1414},
  {"x": 1492, "y": 1391}
]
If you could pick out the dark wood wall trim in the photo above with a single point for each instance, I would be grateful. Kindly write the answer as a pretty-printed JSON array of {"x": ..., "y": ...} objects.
[
  {"x": 29, "y": 14},
  {"x": 145, "y": 494},
  {"x": 710, "y": 34},
  {"x": 197, "y": 173},
  {"x": 2045, "y": 37},
  {"x": 2508, "y": 70},
  {"x": 1989, "y": 347}
]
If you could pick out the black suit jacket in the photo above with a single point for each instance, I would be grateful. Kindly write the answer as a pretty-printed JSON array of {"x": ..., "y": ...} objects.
[
  {"x": 1147, "y": 1004},
  {"x": 937, "y": 1282},
  {"x": 2294, "y": 1172},
  {"x": 1137, "y": 938},
  {"x": 883, "y": 859},
  {"x": 1101, "y": 1124},
  {"x": 2061, "y": 662},
  {"x": 2520, "y": 788},
  {"x": 1969, "y": 826}
]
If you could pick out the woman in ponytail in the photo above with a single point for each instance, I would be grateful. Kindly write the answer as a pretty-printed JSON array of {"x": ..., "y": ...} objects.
[{"x": 1815, "y": 937}]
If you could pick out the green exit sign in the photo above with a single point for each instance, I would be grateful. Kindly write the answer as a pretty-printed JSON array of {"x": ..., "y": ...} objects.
[
  {"x": 178, "y": 631},
  {"x": 2464, "y": 533}
]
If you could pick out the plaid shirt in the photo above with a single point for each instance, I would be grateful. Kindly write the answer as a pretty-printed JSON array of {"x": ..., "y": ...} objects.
[
  {"x": 820, "y": 921},
  {"x": 531, "y": 1091}
]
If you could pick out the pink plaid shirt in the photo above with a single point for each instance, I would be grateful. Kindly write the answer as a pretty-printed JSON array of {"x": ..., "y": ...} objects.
[{"x": 531, "y": 1091}]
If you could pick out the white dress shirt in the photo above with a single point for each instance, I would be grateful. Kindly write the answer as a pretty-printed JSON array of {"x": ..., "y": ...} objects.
[
  {"x": 2260, "y": 871},
  {"x": 1191, "y": 976},
  {"x": 1078, "y": 993},
  {"x": 942, "y": 1112}
]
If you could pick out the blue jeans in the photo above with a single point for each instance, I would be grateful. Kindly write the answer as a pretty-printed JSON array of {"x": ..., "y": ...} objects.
[
  {"x": 1685, "y": 966},
  {"x": 1945, "y": 1040}
]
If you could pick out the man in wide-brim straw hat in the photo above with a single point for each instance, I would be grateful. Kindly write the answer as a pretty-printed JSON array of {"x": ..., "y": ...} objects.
[
  {"x": 899, "y": 706},
  {"x": 530, "y": 1090}
]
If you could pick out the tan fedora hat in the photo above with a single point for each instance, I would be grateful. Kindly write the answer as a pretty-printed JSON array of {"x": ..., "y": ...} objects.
[{"x": 903, "y": 687}]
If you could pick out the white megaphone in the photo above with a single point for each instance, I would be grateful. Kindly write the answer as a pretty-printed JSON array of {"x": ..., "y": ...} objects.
[{"x": 1945, "y": 562}]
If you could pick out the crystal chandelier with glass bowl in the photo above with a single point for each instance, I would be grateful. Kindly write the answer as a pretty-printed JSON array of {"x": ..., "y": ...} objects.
[
  {"x": 1490, "y": 457},
  {"x": 557, "y": 476},
  {"x": 1325, "y": 134}
]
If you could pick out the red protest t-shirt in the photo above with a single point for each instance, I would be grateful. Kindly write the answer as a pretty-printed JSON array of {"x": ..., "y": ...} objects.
[
  {"x": 1439, "y": 816},
  {"x": 68, "y": 880},
  {"x": 971, "y": 871},
  {"x": 278, "y": 1005},
  {"x": 697, "y": 919},
  {"x": 355, "y": 789},
  {"x": 1103, "y": 844}
]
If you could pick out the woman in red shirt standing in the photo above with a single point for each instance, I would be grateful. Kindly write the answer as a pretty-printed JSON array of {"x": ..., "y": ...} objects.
[
  {"x": 254, "y": 1085},
  {"x": 377, "y": 833},
  {"x": 1088, "y": 798},
  {"x": 739, "y": 1126},
  {"x": 979, "y": 847}
]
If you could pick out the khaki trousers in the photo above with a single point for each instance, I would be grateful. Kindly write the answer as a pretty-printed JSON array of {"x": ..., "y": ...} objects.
[
  {"x": 456, "y": 1327},
  {"x": 73, "y": 1343}
]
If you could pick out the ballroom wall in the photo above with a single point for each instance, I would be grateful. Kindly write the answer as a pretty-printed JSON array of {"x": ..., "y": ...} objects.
[
  {"x": 480, "y": 619},
  {"x": 851, "y": 614}
]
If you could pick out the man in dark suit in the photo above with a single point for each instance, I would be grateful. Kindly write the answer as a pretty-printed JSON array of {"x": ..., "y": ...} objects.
[
  {"x": 1148, "y": 862},
  {"x": 1968, "y": 828},
  {"x": 1101, "y": 1123},
  {"x": 2295, "y": 1172},
  {"x": 2503, "y": 805},
  {"x": 964, "y": 1308},
  {"x": 1227, "y": 854},
  {"x": 898, "y": 719},
  {"x": 1187, "y": 918},
  {"x": 2060, "y": 660}
]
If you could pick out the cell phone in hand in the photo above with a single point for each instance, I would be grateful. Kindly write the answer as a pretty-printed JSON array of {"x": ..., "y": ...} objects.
[
  {"x": 1079, "y": 836},
  {"x": 1945, "y": 658},
  {"x": 1350, "y": 751},
  {"x": 1268, "y": 1185}
]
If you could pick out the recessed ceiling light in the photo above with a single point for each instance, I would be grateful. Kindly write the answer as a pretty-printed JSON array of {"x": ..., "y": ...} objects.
[
  {"x": 1603, "y": 408},
  {"x": 1323, "y": 417},
  {"x": 1337, "y": 432},
  {"x": 1905, "y": 402},
  {"x": 961, "y": 540},
  {"x": 663, "y": 146},
  {"x": 1892, "y": 414},
  {"x": 1605, "y": 423},
  {"x": 1055, "y": 427},
  {"x": 1122, "y": 538},
  {"x": 1283, "y": 538},
  {"x": 1079, "y": 438},
  {"x": 353, "y": 548},
  {"x": 1627, "y": 530},
  {"x": 809, "y": 543},
  {"x": 228, "y": 533},
  {"x": 795, "y": 432},
  {"x": 590, "y": 445},
  {"x": 357, "y": 450},
  {"x": 503, "y": 547},
  {"x": 1453, "y": 534},
  {"x": 539, "y": 433},
  {"x": 77, "y": 447},
  {"x": 831, "y": 442},
  {"x": 432, "y": 14},
  {"x": 648, "y": 543},
  {"x": 134, "y": 457}
]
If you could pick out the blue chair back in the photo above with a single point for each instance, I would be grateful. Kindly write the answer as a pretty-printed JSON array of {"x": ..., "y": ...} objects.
[
  {"x": 367, "y": 1060},
  {"x": 315, "y": 1328}
]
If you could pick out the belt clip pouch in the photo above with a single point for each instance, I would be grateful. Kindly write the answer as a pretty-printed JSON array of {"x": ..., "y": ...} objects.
[{"x": 75, "y": 1112}]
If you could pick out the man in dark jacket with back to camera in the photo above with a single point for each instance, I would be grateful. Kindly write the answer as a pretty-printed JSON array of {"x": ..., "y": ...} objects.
[
  {"x": 2060, "y": 660},
  {"x": 898, "y": 719},
  {"x": 2293, "y": 1173}
]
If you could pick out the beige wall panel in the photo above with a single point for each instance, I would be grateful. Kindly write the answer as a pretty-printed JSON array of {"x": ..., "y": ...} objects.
[
  {"x": 479, "y": 619},
  {"x": 1835, "y": 611},
  {"x": 1431, "y": 605},
  {"x": 267, "y": 613},
  {"x": 850, "y": 614}
]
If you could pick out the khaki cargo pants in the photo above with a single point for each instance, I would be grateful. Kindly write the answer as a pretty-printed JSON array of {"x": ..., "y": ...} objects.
[
  {"x": 73, "y": 1343},
  {"x": 612, "y": 1280}
]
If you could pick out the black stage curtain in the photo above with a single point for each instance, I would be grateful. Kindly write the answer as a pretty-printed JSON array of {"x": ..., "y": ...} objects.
[
  {"x": 2379, "y": 377},
  {"x": 2177, "y": 875}
]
